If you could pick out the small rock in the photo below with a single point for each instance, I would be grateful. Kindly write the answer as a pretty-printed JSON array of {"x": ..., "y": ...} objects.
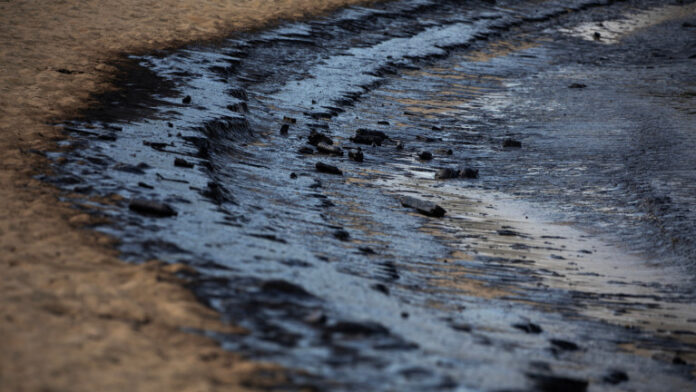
[
  {"x": 179, "y": 162},
  {"x": 170, "y": 125},
  {"x": 146, "y": 186},
  {"x": 238, "y": 107},
  {"x": 677, "y": 360},
  {"x": 548, "y": 383},
  {"x": 293, "y": 176},
  {"x": 424, "y": 207},
  {"x": 151, "y": 208},
  {"x": 318, "y": 137},
  {"x": 306, "y": 150},
  {"x": 341, "y": 235},
  {"x": 357, "y": 155},
  {"x": 425, "y": 156},
  {"x": 187, "y": 99},
  {"x": 469, "y": 173},
  {"x": 381, "y": 288},
  {"x": 577, "y": 85},
  {"x": 369, "y": 137},
  {"x": 449, "y": 152},
  {"x": 446, "y": 173},
  {"x": 404, "y": 315},
  {"x": 564, "y": 345},
  {"x": 597, "y": 36},
  {"x": 528, "y": 328},
  {"x": 511, "y": 143},
  {"x": 284, "y": 129},
  {"x": 328, "y": 149},
  {"x": 615, "y": 377},
  {"x": 383, "y": 122},
  {"x": 324, "y": 168},
  {"x": 508, "y": 233}
]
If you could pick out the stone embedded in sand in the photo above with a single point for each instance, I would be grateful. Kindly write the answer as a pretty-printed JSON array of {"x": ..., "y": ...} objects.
[
  {"x": 328, "y": 149},
  {"x": 546, "y": 382},
  {"x": 357, "y": 155},
  {"x": 469, "y": 173},
  {"x": 577, "y": 85},
  {"x": 564, "y": 345},
  {"x": 512, "y": 143},
  {"x": 446, "y": 173},
  {"x": 341, "y": 235},
  {"x": 179, "y": 162},
  {"x": 316, "y": 137},
  {"x": 284, "y": 129},
  {"x": 597, "y": 36},
  {"x": 187, "y": 99},
  {"x": 329, "y": 169},
  {"x": 425, "y": 155},
  {"x": 369, "y": 137},
  {"x": 151, "y": 208},
  {"x": 615, "y": 377},
  {"x": 424, "y": 207},
  {"x": 529, "y": 328},
  {"x": 306, "y": 150}
]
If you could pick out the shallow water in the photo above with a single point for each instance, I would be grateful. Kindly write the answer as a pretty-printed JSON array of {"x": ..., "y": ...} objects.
[{"x": 597, "y": 199}]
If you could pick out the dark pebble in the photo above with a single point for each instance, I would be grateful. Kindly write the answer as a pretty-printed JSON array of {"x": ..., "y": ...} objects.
[
  {"x": 446, "y": 173},
  {"x": 615, "y": 377},
  {"x": 508, "y": 233},
  {"x": 597, "y": 36},
  {"x": 369, "y": 137},
  {"x": 151, "y": 208},
  {"x": 511, "y": 143},
  {"x": 306, "y": 150},
  {"x": 357, "y": 155},
  {"x": 284, "y": 129},
  {"x": 422, "y": 206},
  {"x": 564, "y": 345},
  {"x": 381, "y": 288},
  {"x": 341, "y": 235},
  {"x": 577, "y": 85},
  {"x": 383, "y": 122},
  {"x": 284, "y": 287},
  {"x": 293, "y": 176},
  {"x": 146, "y": 186},
  {"x": 425, "y": 156},
  {"x": 187, "y": 99},
  {"x": 328, "y": 149},
  {"x": 178, "y": 162},
  {"x": 324, "y": 168},
  {"x": 170, "y": 125},
  {"x": 318, "y": 137},
  {"x": 548, "y": 383},
  {"x": 469, "y": 173},
  {"x": 528, "y": 328}
]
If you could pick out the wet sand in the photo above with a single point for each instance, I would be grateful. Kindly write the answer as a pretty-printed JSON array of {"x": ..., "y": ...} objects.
[
  {"x": 331, "y": 274},
  {"x": 72, "y": 315}
]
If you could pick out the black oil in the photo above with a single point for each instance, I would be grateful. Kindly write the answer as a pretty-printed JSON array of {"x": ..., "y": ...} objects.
[{"x": 351, "y": 290}]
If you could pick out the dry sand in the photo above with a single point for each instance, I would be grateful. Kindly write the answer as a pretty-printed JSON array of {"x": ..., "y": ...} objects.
[{"x": 72, "y": 316}]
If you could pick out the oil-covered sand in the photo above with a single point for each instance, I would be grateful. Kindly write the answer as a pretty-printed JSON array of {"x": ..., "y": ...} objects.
[{"x": 566, "y": 265}]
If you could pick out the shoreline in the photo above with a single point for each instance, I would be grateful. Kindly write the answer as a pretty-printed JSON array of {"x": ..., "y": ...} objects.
[{"x": 73, "y": 315}]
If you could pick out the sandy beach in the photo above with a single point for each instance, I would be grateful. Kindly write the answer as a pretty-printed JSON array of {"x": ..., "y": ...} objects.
[{"x": 72, "y": 315}]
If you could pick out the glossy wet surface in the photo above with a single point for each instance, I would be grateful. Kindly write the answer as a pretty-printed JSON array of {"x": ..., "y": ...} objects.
[{"x": 567, "y": 264}]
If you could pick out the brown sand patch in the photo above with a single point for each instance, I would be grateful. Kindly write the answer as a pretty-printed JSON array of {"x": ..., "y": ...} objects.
[{"x": 72, "y": 316}]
